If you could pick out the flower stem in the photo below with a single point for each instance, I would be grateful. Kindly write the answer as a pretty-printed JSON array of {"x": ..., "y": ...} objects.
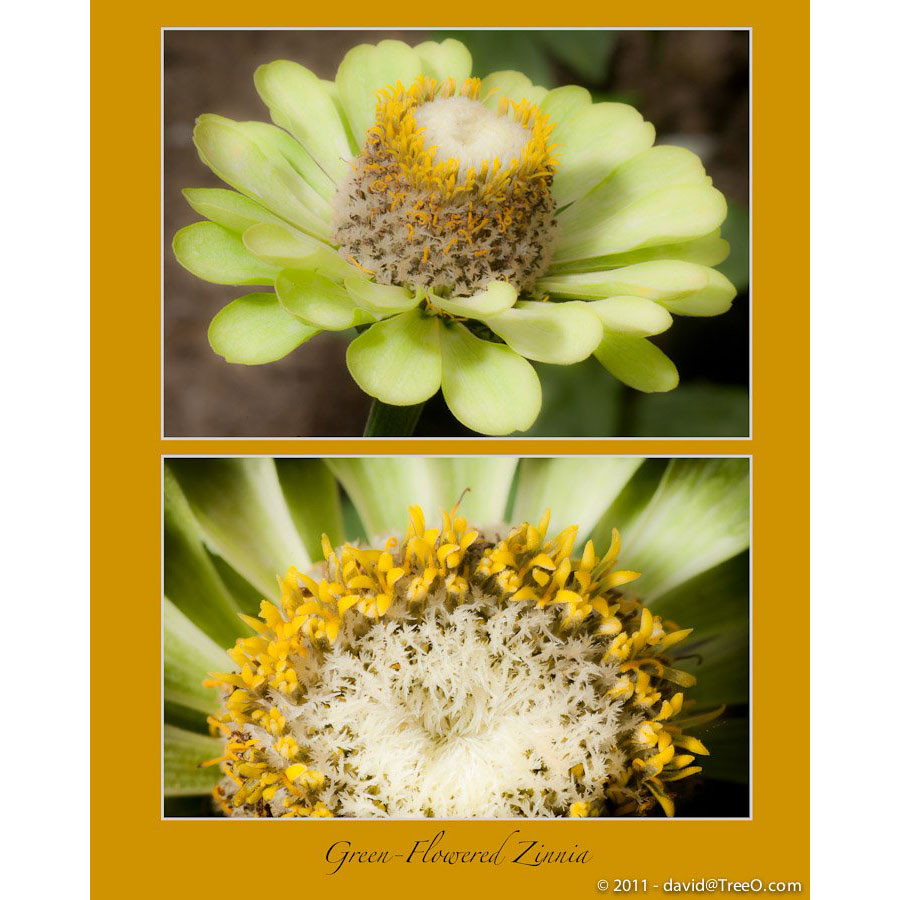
[{"x": 392, "y": 421}]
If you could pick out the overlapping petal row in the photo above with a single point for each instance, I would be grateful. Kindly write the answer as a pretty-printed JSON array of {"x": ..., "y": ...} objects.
[
  {"x": 266, "y": 763},
  {"x": 231, "y": 525},
  {"x": 636, "y": 239}
]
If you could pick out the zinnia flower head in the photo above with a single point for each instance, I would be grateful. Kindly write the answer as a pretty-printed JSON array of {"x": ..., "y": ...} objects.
[
  {"x": 451, "y": 671},
  {"x": 465, "y": 226}
]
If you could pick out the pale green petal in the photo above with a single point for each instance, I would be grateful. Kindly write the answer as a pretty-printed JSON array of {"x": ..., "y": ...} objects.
[
  {"x": 698, "y": 517},
  {"x": 637, "y": 362},
  {"x": 657, "y": 280},
  {"x": 243, "y": 515},
  {"x": 381, "y": 299},
  {"x": 635, "y": 316},
  {"x": 319, "y": 301},
  {"x": 445, "y": 59},
  {"x": 235, "y": 153},
  {"x": 594, "y": 141},
  {"x": 712, "y": 300},
  {"x": 284, "y": 247},
  {"x": 190, "y": 580},
  {"x": 496, "y": 298},
  {"x": 660, "y": 196},
  {"x": 709, "y": 250},
  {"x": 368, "y": 69},
  {"x": 563, "y": 102},
  {"x": 301, "y": 103},
  {"x": 189, "y": 658},
  {"x": 183, "y": 752},
  {"x": 577, "y": 491},
  {"x": 487, "y": 386},
  {"x": 312, "y": 497},
  {"x": 398, "y": 360},
  {"x": 486, "y": 481},
  {"x": 255, "y": 329},
  {"x": 383, "y": 489},
  {"x": 229, "y": 209},
  {"x": 511, "y": 84},
  {"x": 559, "y": 333},
  {"x": 318, "y": 188},
  {"x": 215, "y": 254}
]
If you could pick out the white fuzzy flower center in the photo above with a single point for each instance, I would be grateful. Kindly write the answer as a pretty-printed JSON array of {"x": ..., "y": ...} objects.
[
  {"x": 454, "y": 716},
  {"x": 466, "y": 130}
]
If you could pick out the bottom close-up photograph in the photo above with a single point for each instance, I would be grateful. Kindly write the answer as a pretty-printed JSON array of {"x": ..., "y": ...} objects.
[{"x": 456, "y": 638}]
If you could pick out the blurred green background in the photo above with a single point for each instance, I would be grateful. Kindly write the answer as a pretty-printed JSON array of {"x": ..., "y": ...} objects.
[{"x": 693, "y": 86}]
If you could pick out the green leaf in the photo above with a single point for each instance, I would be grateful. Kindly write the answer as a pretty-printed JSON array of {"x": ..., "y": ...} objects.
[
  {"x": 728, "y": 742},
  {"x": 398, "y": 360},
  {"x": 183, "y": 752},
  {"x": 312, "y": 497},
  {"x": 698, "y": 517},
  {"x": 736, "y": 230},
  {"x": 558, "y": 333},
  {"x": 637, "y": 362},
  {"x": 498, "y": 50},
  {"x": 581, "y": 400},
  {"x": 243, "y": 515},
  {"x": 576, "y": 490},
  {"x": 586, "y": 52},
  {"x": 318, "y": 301},
  {"x": 190, "y": 580},
  {"x": 215, "y": 254},
  {"x": 707, "y": 410},
  {"x": 487, "y": 386},
  {"x": 255, "y": 329},
  {"x": 189, "y": 658}
]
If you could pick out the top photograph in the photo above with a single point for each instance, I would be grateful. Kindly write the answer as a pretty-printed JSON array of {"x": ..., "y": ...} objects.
[{"x": 456, "y": 233}]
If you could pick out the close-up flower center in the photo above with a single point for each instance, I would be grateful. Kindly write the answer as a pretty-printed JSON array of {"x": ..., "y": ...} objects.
[
  {"x": 454, "y": 674},
  {"x": 450, "y": 192}
]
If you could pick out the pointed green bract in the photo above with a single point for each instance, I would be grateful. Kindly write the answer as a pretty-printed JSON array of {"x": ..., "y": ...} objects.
[
  {"x": 189, "y": 657},
  {"x": 637, "y": 362},
  {"x": 576, "y": 491},
  {"x": 300, "y": 102},
  {"x": 559, "y": 333},
  {"x": 487, "y": 386},
  {"x": 698, "y": 517},
  {"x": 183, "y": 752},
  {"x": 445, "y": 59},
  {"x": 592, "y": 142},
  {"x": 229, "y": 209},
  {"x": 398, "y": 360},
  {"x": 367, "y": 69},
  {"x": 313, "y": 500},
  {"x": 255, "y": 329},
  {"x": 215, "y": 254},
  {"x": 243, "y": 516},
  {"x": 319, "y": 301},
  {"x": 190, "y": 580},
  {"x": 633, "y": 316}
]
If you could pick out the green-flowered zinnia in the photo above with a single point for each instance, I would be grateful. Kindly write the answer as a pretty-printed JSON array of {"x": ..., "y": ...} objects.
[{"x": 463, "y": 226}]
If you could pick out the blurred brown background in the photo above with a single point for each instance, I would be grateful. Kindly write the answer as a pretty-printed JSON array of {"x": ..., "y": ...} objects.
[{"x": 692, "y": 85}]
